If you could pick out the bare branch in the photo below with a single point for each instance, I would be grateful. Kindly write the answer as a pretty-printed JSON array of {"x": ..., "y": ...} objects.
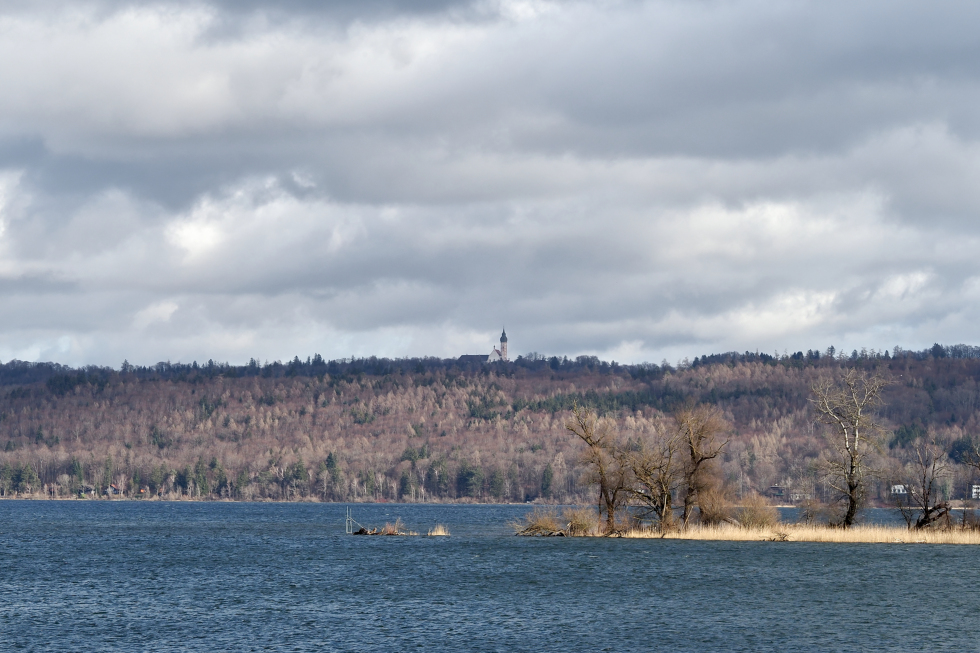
[
  {"x": 699, "y": 428},
  {"x": 605, "y": 460},
  {"x": 847, "y": 405}
]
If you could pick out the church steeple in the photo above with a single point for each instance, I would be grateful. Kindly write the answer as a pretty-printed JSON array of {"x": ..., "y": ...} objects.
[{"x": 503, "y": 344}]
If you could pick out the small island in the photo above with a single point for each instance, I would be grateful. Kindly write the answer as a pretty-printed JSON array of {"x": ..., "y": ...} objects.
[{"x": 666, "y": 485}]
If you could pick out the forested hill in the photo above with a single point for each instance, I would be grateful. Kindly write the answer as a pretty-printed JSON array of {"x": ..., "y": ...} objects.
[{"x": 432, "y": 429}]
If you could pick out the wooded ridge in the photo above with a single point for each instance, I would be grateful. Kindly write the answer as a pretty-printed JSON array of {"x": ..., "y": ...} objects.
[{"x": 441, "y": 430}]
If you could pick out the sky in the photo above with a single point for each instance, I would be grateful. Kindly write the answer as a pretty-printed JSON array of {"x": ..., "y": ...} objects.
[{"x": 636, "y": 180}]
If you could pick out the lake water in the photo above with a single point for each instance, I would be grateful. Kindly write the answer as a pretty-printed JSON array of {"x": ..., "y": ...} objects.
[{"x": 130, "y": 576}]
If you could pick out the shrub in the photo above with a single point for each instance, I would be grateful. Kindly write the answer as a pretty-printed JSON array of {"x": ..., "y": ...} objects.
[
  {"x": 580, "y": 521},
  {"x": 755, "y": 512},
  {"x": 393, "y": 529},
  {"x": 813, "y": 511},
  {"x": 541, "y": 521},
  {"x": 715, "y": 508}
]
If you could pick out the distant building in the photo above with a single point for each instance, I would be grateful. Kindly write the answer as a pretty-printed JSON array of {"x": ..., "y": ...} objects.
[
  {"x": 499, "y": 354},
  {"x": 899, "y": 490},
  {"x": 975, "y": 492},
  {"x": 495, "y": 355}
]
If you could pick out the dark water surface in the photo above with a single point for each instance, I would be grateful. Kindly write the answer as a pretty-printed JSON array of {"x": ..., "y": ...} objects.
[{"x": 130, "y": 576}]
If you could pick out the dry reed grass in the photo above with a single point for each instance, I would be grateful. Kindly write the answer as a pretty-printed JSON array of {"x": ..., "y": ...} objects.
[
  {"x": 581, "y": 522},
  {"x": 540, "y": 521},
  {"x": 756, "y": 512},
  {"x": 392, "y": 529},
  {"x": 572, "y": 522},
  {"x": 438, "y": 531},
  {"x": 812, "y": 533},
  {"x": 395, "y": 529}
]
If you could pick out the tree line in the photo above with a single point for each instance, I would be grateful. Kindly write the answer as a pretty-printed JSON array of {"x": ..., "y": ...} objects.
[
  {"x": 431, "y": 430},
  {"x": 63, "y": 377},
  {"x": 668, "y": 474}
]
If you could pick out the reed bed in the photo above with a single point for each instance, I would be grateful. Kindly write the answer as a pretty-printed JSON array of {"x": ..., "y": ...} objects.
[
  {"x": 398, "y": 528},
  {"x": 756, "y": 521},
  {"x": 810, "y": 533},
  {"x": 548, "y": 522},
  {"x": 438, "y": 531}
]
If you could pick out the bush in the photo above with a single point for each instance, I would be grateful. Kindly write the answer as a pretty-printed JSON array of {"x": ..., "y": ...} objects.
[
  {"x": 755, "y": 512},
  {"x": 813, "y": 511},
  {"x": 541, "y": 521},
  {"x": 715, "y": 508},
  {"x": 580, "y": 521},
  {"x": 393, "y": 529}
]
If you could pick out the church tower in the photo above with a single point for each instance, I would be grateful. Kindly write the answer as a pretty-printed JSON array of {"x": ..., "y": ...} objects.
[{"x": 503, "y": 345}]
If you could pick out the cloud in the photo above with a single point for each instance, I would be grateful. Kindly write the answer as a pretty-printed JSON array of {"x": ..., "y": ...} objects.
[
  {"x": 158, "y": 312},
  {"x": 636, "y": 179}
]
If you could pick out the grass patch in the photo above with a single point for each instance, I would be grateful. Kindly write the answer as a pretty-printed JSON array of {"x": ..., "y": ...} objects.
[
  {"x": 539, "y": 522},
  {"x": 547, "y": 522},
  {"x": 756, "y": 512},
  {"x": 813, "y": 533},
  {"x": 438, "y": 531},
  {"x": 580, "y": 522},
  {"x": 398, "y": 528}
]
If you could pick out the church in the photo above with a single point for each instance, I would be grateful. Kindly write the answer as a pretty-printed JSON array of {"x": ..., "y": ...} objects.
[
  {"x": 495, "y": 355},
  {"x": 499, "y": 354}
]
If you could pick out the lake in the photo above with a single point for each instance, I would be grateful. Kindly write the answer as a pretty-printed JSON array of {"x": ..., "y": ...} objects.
[{"x": 156, "y": 576}]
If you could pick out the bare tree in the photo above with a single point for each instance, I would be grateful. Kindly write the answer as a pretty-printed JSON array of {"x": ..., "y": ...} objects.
[
  {"x": 971, "y": 457},
  {"x": 699, "y": 429},
  {"x": 605, "y": 461},
  {"x": 847, "y": 405},
  {"x": 926, "y": 469},
  {"x": 657, "y": 468}
]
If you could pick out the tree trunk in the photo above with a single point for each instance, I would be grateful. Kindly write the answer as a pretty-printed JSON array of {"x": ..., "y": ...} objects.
[
  {"x": 606, "y": 497},
  {"x": 688, "y": 506},
  {"x": 852, "y": 504}
]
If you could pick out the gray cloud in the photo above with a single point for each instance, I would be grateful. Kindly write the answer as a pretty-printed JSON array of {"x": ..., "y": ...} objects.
[{"x": 639, "y": 180}]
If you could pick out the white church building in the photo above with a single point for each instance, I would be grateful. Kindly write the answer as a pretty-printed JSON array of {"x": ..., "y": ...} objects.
[
  {"x": 495, "y": 356},
  {"x": 499, "y": 354}
]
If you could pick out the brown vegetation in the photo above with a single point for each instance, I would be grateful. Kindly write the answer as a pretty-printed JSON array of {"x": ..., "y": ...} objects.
[
  {"x": 434, "y": 431},
  {"x": 804, "y": 533},
  {"x": 572, "y": 522},
  {"x": 605, "y": 459},
  {"x": 701, "y": 429},
  {"x": 846, "y": 403},
  {"x": 388, "y": 529},
  {"x": 756, "y": 512},
  {"x": 647, "y": 469},
  {"x": 656, "y": 466},
  {"x": 539, "y": 522}
]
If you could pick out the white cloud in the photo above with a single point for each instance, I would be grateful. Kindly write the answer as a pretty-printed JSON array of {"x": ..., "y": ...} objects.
[
  {"x": 196, "y": 237},
  {"x": 9, "y": 181},
  {"x": 158, "y": 312}
]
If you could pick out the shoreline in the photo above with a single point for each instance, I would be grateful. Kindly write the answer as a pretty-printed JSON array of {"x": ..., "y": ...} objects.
[
  {"x": 375, "y": 502},
  {"x": 866, "y": 534}
]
